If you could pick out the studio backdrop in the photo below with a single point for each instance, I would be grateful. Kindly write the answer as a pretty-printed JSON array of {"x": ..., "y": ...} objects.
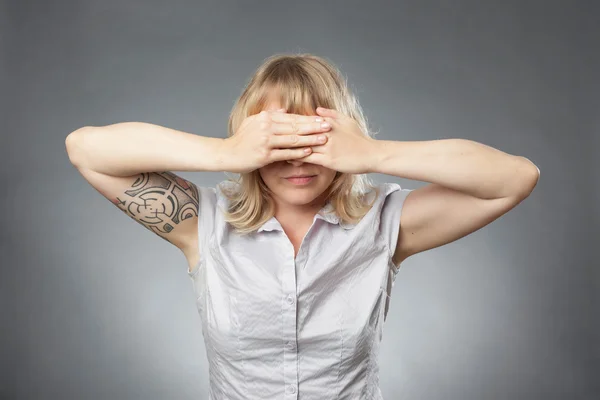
[{"x": 94, "y": 307}]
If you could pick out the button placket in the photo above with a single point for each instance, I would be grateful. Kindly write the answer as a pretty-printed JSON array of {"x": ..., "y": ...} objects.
[
  {"x": 290, "y": 299},
  {"x": 291, "y": 389},
  {"x": 289, "y": 329}
]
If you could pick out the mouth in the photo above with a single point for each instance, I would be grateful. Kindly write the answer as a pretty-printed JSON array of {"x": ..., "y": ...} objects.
[{"x": 300, "y": 180}]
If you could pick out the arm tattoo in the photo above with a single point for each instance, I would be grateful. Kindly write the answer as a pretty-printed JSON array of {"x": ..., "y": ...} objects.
[{"x": 159, "y": 199}]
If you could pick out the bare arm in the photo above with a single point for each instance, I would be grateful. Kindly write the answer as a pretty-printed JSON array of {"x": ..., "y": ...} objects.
[
  {"x": 471, "y": 185},
  {"x": 128, "y": 148},
  {"x": 129, "y": 164}
]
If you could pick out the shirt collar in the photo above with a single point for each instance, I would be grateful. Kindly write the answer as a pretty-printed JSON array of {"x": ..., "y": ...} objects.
[{"x": 326, "y": 214}]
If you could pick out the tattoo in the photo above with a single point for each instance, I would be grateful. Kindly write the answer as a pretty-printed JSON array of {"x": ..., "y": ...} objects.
[{"x": 159, "y": 199}]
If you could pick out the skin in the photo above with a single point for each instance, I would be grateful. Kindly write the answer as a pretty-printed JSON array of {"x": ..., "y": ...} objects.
[
  {"x": 470, "y": 184},
  {"x": 162, "y": 202},
  {"x": 296, "y": 205}
]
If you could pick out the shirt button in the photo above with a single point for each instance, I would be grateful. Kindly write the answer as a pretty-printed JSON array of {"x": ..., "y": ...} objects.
[
  {"x": 290, "y": 299},
  {"x": 289, "y": 345},
  {"x": 291, "y": 389}
]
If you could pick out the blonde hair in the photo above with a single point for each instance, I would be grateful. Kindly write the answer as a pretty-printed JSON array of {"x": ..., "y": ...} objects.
[{"x": 303, "y": 82}]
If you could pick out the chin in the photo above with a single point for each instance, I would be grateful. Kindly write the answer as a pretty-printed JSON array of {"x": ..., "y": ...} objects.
[{"x": 298, "y": 196}]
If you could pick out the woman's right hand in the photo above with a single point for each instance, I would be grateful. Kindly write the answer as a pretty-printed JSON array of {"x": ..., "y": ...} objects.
[{"x": 271, "y": 136}]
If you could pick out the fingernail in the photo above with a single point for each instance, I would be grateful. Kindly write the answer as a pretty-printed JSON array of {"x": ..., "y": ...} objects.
[
  {"x": 318, "y": 119},
  {"x": 325, "y": 125}
]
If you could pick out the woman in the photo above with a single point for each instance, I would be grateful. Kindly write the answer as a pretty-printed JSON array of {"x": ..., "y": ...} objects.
[{"x": 293, "y": 263}]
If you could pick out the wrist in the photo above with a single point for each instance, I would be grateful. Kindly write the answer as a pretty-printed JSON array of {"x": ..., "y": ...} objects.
[
  {"x": 374, "y": 155},
  {"x": 222, "y": 154},
  {"x": 210, "y": 154}
]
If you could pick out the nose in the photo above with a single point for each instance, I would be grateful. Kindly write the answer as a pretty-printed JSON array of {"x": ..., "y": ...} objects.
[{"x": 295, "y": 163}]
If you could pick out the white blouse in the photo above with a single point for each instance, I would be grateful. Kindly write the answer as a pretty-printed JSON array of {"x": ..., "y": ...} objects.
[{"x": 309, "y": 327}]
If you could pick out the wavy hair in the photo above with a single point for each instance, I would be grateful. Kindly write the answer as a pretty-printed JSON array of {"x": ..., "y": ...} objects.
[{"x": 303, "y": 82}]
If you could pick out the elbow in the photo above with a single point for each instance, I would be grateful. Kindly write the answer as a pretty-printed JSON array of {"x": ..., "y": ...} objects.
[
  {"x": 529, "y": 177},
  {"x": 74, "y": 144}
]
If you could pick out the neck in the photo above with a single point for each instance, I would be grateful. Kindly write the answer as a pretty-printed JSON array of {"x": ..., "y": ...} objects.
[{"x": 298, "y": 214}]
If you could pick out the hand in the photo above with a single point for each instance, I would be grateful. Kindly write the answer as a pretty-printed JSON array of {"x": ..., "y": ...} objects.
[
  {"x": 348, "y": 149},
  {"x": 271, "y": 136}
]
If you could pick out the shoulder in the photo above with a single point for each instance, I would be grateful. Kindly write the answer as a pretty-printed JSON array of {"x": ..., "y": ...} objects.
[
  {"x": 380, "y": 197},
  {"x": 226, "y": 189},
  {"x": 210, "y": 196},
  {"x": 392, "y": 197},
  {"x": 384, "y": 193},
  {"x": 391, "y": 201}
]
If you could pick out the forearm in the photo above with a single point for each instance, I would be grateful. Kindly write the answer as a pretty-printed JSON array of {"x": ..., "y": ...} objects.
[
  {"x": 459, "y": 164},
  {"x": 129, "y": 148}
]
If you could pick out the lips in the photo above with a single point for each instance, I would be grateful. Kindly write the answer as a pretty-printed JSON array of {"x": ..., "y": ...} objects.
[{"x": 300, "y": 180}]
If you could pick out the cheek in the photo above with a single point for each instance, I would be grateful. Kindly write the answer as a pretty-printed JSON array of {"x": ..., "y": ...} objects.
[
  {"x": 330, "y": 175},
  {"x": 268, "y": 174},
  {"x": 270, "y": 171}
]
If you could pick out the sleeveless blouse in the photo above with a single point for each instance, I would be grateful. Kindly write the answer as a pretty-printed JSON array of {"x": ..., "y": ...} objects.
[{"x": 308, "y": 327}]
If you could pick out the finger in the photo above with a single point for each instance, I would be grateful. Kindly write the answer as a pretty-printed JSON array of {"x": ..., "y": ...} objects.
[
  {"x": 318, "y": 148},
  {"x": 288, "y": 118},
  {"x": 327, "y": 112},
  {"x": 300, "y": 129},
  {"x": 286, "y": 141},
  {"x": 289, "y": 154},
  {"x": 314, "y": 158}
]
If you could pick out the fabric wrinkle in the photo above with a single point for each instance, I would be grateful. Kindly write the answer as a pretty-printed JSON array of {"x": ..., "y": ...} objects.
[{"x": 305, "y": 326}]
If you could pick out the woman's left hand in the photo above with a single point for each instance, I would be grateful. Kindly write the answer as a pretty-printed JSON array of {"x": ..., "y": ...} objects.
[{"x": 347, "y": 149}]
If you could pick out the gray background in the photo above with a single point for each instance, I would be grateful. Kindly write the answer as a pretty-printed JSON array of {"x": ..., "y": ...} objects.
[{"x": 93, "y": 306}]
